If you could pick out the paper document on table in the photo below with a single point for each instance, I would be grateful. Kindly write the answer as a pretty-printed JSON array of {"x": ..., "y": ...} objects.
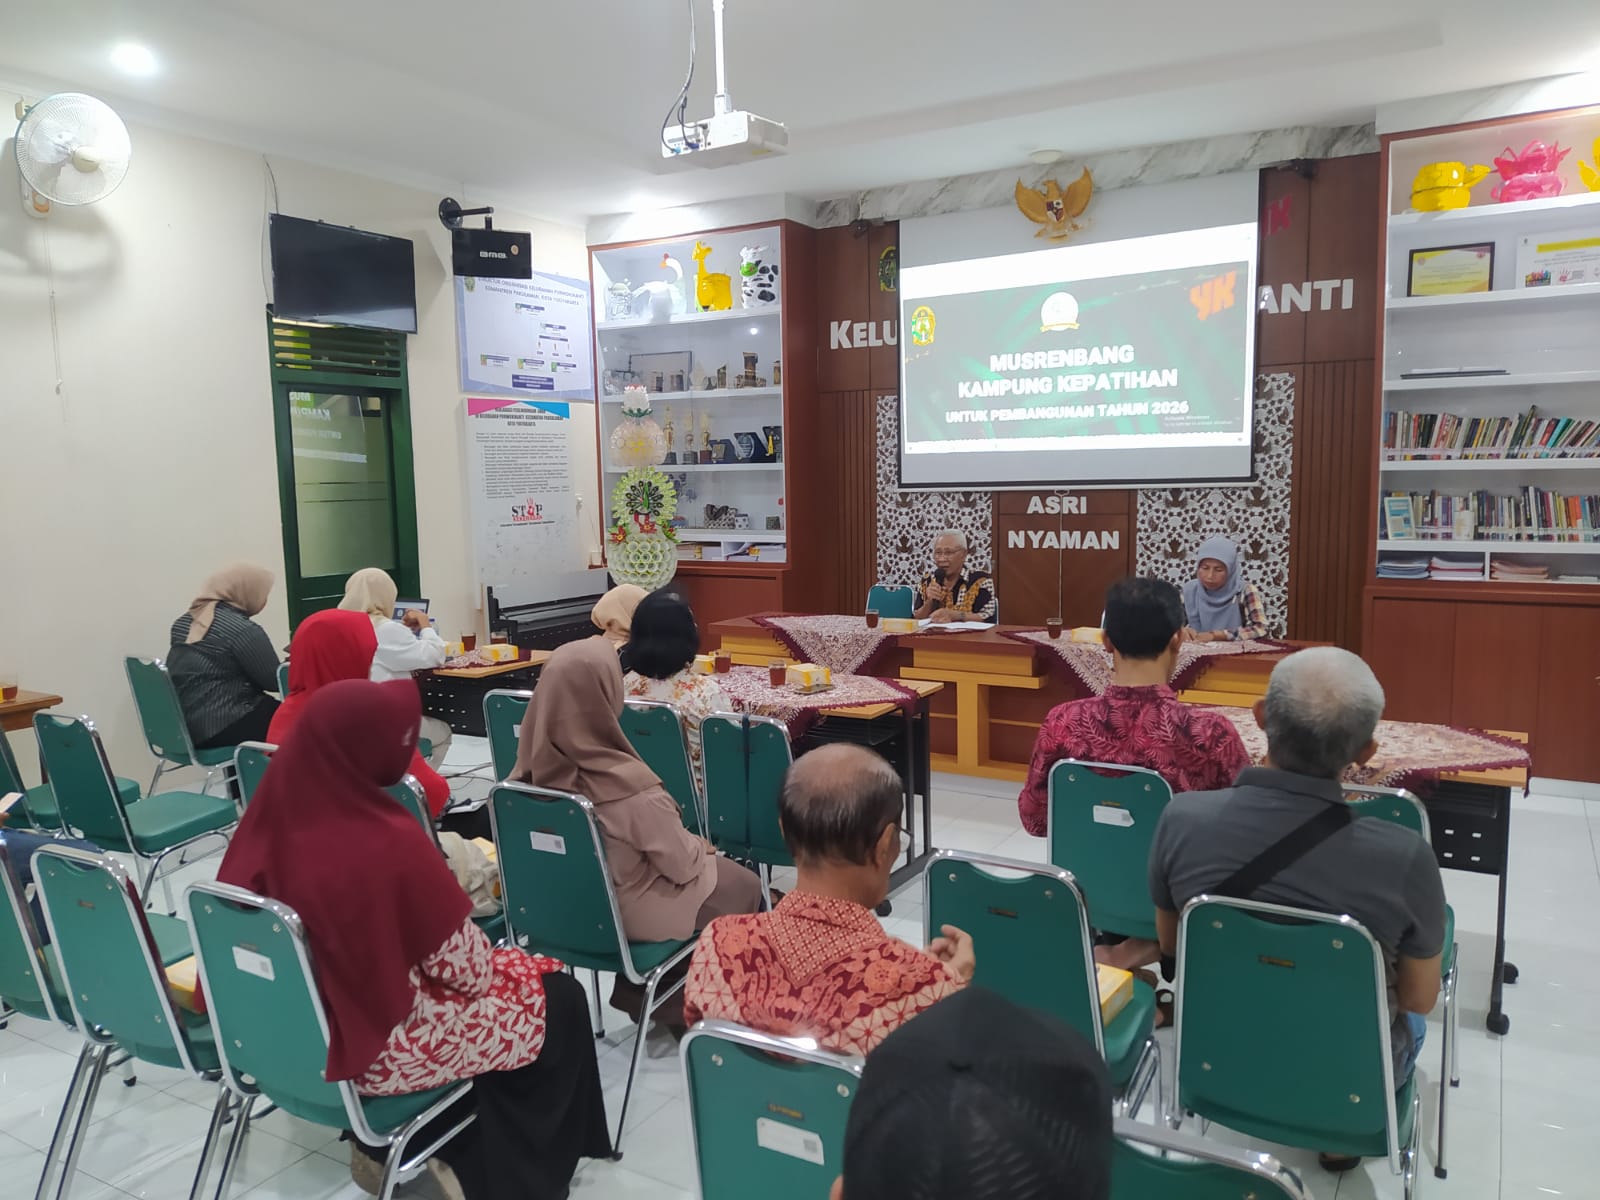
[{"x": 960, "y": 626}]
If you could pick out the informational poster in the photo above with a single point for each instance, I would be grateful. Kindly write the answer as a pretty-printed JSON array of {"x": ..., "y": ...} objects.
[
  {"x": 526, "y": 337},
  {"x": 527, "y": 536}
]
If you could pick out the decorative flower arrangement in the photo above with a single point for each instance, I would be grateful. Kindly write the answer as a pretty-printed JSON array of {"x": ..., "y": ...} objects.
[
  {"x": 638, "y": 441},
  {"x": 643, "y": 540}
]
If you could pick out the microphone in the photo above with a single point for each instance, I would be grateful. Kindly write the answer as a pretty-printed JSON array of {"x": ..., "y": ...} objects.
[{"x": 938, "y": 575}]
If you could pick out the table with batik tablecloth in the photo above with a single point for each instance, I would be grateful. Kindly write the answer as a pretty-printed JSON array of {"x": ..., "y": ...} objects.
[
  {"x": 843, "y": 644},
  {"x": 1090, "y": 664}
]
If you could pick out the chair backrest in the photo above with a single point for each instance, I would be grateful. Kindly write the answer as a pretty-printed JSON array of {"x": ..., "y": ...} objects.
[
  {"x": 110, "y": 966},
  {"x": 798, "y": 1102},
  {"x": 411, "y": 796},
  {"x": 1252, "y": 979},
  {"x": 554, "y": 882},
  {"x": 260, "y": 987},
  {"x": 166, "y": 731},
  {"x": 80, "y": 775},
  {"x": 503, "y": 710},
  {"x": 745, "y": 759},
  {"x": 250, "y": 761},
  {"x": 283, "y": 680},
  {"x": 1100, "y": 829},
  {"x": 1010, "y": 916},
  {"x": 1395, "y": 805},
  {"x": 655, "y": 730},
  {"x": 890, "y": 601},
  {"x": 25, "y": 979},
  {"x": 1203, "y": 1170},
  {"x": 10, "y": 773}
]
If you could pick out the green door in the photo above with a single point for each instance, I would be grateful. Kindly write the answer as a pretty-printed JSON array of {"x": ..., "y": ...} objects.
[{"x": 345, "y": 481}]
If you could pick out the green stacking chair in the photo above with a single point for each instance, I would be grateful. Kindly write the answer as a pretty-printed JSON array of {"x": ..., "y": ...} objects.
[
  {"x": 558, "y": 898},
  {"x": 1143, "y": 1168},
  {"x": 655, "y": 730},
  {"x": 1100, "y": 829},
  {"x": 408, "y": 792},
  {"x": 39, "y": 809},
  {"x": 166, "y": 731},
  {"x": 111, "y": 969},
  {"x": 1283, "y": 1032},
  {"x": 891, "y": 601},
  {"x": 1403, "y": 808},
  {"x": 283, "y": 680},
  {"x": 1030, "y": 929},
  {"x": 272, "y": 1033},
  {"x": 797, "y": 1097},
  {"x": 250, "y": 761},
  {"x": 745, "y": 759},
  {"x": 503, "y": 710},
  {"x": 152, "y": 829}
]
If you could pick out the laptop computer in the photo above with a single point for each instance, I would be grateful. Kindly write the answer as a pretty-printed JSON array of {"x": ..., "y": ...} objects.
[{"x": 401, "y": 607}]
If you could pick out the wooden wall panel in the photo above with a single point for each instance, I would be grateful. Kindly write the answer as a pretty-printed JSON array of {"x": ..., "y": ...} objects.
[
  {"x": 841, "y": 568},
  {"x": 1495, "y": 682},
  {"x": 1329, "y": 542},
  {"x": 1285, "y": 252},
  {"x": 1566, "y": 745},
  {"x": 1345, "y": 245},
  {"x": 1038, "y": 581},
  {"x": 1405, "y": 634}
]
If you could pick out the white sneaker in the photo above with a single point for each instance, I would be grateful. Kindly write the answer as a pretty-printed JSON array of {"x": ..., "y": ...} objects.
[{"x": 446, "y": 1179}]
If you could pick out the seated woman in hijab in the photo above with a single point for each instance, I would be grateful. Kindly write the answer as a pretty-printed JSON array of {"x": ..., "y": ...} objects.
[
  {"x": 669, "y": 883},
  {"x": 222, "y": 663},
  {"x": 657, "y": 659},
  {"x": 1219, "y": 603},
  {"x": 330, "y": 647},
  {"x": 404, "y": 646},
  {"x": 613, "y": 613},
  {"x": 417, "y": 997}
]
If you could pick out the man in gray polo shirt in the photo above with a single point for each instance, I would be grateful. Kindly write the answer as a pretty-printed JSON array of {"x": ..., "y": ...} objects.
[{"x": 1320, "y": 711}]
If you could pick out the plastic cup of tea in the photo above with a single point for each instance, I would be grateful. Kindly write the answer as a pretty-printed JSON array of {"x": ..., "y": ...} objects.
[
  {"x": 1052, "y": 626},
  {"x": 872, "y": 618},
  {"x": 724, "y": 662},
  {"x": 499, "y": 639},
  {"x": 469, "y": 643},
  {"x": 778, "y": 672}
]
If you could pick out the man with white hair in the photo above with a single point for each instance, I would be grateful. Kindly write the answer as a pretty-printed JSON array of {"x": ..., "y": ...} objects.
[
  {"x": 1283, "y": 835},
  {"x": 951, "y": 592}
]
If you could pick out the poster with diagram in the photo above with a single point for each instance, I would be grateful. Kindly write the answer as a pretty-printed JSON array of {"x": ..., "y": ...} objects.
[{"x": 526, "y": 337}]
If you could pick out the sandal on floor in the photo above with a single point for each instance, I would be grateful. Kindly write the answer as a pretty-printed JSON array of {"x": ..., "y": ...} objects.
[{"x": 1338, "y": 1163}]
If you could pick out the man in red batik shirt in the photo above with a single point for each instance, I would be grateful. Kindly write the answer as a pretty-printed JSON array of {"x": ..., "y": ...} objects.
[
  {"x": 1139, "y": 722},
  {"x": 819, "y": 965}
]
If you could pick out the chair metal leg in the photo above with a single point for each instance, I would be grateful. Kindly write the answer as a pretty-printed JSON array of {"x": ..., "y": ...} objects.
[
  {"x": 80, "y": 1123},
  {"x": 1145, "y": 1072},
  {"x": 1447, "y": 1068},
  {"x": 640, "y": 1036},
  {"x": 595, "y": 1002},
  {"x": 766, "y": 887},
  {"x": 161, "y": 769},
  {"x": 208, "y": 1149},
  {"x": 230, "y": 1158},
  {"x": 1452, "y": 1024},
  {"x": 90, "y": 1059}
]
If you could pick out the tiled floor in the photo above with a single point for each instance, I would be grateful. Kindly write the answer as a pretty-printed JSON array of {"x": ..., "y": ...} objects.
[{"x": 1517, "y": 1129}]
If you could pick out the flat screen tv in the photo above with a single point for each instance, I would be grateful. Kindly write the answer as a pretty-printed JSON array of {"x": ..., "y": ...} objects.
[{"x": 342, "y": 276}]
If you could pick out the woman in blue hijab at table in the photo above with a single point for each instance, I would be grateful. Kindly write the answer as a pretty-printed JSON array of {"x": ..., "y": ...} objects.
[{"x": 1219, "y": 604}]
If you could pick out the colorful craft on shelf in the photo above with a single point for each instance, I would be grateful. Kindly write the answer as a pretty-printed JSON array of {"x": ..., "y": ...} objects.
[
  {"x": 1591, "y": 175},
  {"x": 643, "y": 536},
  {"x": 758, "y": 280},
  {"x": 1531, "y": 175},
  {"x": 1441, "y": 186},
  {"x": 713, "y": 292}
]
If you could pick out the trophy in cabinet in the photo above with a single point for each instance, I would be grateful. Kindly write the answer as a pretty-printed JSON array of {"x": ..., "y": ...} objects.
[
  {"x": 705, "y": 437},
  {"x": 689, "y": 457},
  {"x": 672, "y": 455}
]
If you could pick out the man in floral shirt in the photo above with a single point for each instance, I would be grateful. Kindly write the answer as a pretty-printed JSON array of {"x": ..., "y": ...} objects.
[{"x": 819, "y": 965}]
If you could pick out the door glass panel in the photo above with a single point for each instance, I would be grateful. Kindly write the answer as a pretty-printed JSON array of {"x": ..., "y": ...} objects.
[{"x": 344, "y": 495}]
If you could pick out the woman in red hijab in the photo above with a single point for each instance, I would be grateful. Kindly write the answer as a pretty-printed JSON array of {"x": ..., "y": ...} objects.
[
  {"x": 416, "y": 997},
  {"x": 327, "y": 647}
]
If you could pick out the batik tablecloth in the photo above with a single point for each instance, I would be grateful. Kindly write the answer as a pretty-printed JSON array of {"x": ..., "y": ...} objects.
[
  {"x": 1091, "y": 665},
  {"x": 751, "y": 691},
  {"x": 1409, "y": 755},
  {"x": 842, "y": 644}
]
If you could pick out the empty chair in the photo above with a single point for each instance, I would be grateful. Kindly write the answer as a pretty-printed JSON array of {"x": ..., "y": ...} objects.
[
  {"x": 1143, "y": 1168},
  {"x": 1244, "y": 1058},
  {"x": 39, "y": 808},
  {"x": 1030, "y": 930},
  {"x": 503, "y": 710},
  {"x": 273, "y": 1033},
  {"x": 891, "y": 601},
  {"x": 655, "y": 731},
  {"x": 745, "y": 761},
  {"x": 166, "y": 731},
  {"x": 150, "y": 830},
  {"x": 796, "y": 1096},
  {"x": 1100, "y": 829},
  {"x": 112, "y": 973},
  {"x": 250, "y": 761}
]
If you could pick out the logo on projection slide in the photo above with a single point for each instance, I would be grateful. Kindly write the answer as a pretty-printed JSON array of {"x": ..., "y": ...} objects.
[
  {"x": 527, "y": 514},
  {"x": 922, "y": 325},
  {"x": 1060, "y": 312}
]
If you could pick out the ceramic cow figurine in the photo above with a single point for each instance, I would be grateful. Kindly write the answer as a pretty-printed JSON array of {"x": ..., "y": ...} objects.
[{"x": 758, "y": 280}]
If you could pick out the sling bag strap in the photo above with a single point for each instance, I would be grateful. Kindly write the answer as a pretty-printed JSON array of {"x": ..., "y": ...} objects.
[{"x": 1285, "y": 852}]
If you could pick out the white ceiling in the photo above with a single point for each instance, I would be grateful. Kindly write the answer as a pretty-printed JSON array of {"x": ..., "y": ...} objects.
[{"x": 558, "y": 106}]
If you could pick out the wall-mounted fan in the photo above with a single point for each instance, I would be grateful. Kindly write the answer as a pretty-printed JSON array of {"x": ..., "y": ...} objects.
[{"x": 71, "y": 149}]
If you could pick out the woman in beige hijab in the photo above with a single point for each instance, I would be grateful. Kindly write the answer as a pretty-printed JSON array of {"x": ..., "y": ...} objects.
[
  {"x": 613, "y": 613},
  {"x": 405, "y": 646},
  {"x": 222, "y": 664},
  {"x": 669, "y": 883}
]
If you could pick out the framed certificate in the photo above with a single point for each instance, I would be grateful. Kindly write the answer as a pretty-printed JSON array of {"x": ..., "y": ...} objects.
[
  {"x": 1397, "y": 518},
  {"x": 1451, "y": 270}
]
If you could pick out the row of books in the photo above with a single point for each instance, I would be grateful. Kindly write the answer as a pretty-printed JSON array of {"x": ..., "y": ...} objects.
[
  {"x": 1514, "y": 571},
  {"x": 1444, "y": 435},
  {"x": 1436, "y": 567},
  {"x": 1528, "y": 514}
]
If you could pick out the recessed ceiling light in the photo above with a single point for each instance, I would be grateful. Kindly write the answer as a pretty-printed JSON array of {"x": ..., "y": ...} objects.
[
  {"x": 131, "y": 58},
  {"x": 1045, "y": 157}
]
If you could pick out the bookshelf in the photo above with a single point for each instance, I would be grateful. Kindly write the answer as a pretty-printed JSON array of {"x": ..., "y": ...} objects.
[{"x": 1516, "y": 443}]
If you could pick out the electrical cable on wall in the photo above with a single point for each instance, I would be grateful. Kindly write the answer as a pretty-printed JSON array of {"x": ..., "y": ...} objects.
[
  {"x": 55, "y": 323},
  {"x": 680, "y": 106}
]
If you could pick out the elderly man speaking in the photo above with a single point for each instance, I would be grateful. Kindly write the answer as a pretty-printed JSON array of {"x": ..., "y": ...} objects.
[{"x": 951, "y": 592}]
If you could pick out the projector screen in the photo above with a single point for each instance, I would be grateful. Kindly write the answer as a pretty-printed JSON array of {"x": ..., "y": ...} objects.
[{"x": 1116, "y": 362}]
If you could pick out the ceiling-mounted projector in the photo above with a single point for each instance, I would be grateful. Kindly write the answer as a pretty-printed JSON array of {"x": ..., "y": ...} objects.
[{"x": 727, "y": 136}]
